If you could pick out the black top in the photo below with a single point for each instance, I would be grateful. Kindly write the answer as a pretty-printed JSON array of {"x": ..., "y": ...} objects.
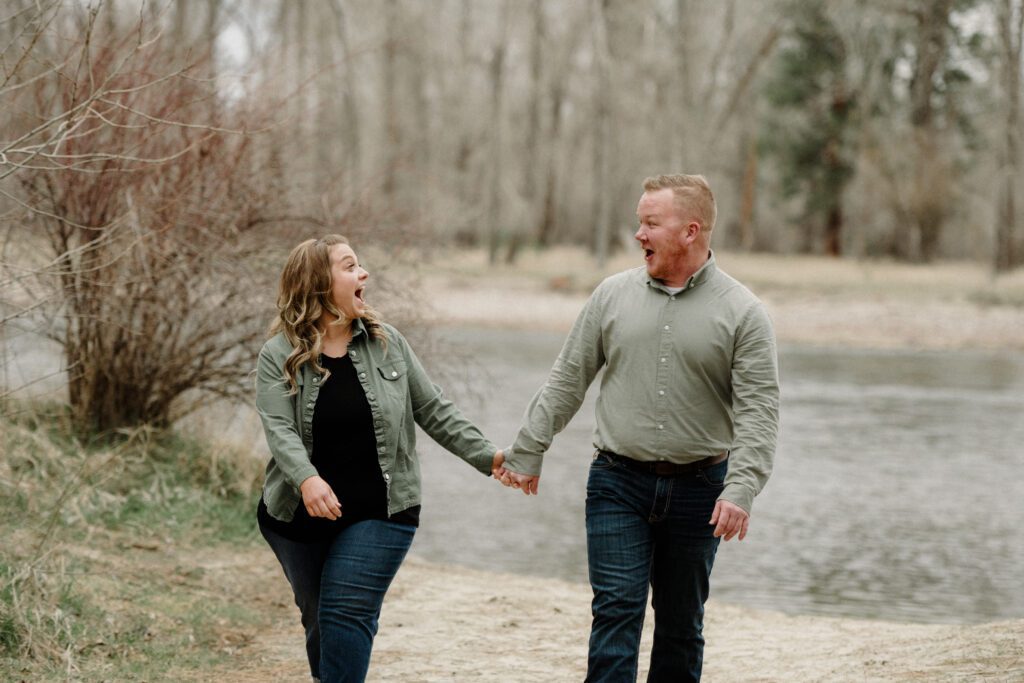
[{"x": 345, "y": 455}]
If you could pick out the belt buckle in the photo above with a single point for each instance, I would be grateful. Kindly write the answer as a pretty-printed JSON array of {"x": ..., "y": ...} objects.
[{"x": 665, "y": 469}]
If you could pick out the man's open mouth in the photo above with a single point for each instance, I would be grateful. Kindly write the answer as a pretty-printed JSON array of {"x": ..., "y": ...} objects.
[{"x": 648, "y": 253}]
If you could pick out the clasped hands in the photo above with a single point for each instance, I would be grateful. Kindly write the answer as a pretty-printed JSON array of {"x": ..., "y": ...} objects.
[{"x": 524, "y": 482}]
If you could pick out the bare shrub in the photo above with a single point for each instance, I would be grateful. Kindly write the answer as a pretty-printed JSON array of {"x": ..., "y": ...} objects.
[{"x": 138, "y": 232}]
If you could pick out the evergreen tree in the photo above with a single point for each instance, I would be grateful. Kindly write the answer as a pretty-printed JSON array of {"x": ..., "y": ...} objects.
[{"x": 809, "y": 132}]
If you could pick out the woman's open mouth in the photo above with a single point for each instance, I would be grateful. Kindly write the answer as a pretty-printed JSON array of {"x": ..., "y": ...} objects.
[{"x": 359, "y": 294}]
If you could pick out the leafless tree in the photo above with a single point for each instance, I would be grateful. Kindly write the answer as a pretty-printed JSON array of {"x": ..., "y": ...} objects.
[
  {"x": 136, "y": 205},
  {"x": 1010, "y": 26}
]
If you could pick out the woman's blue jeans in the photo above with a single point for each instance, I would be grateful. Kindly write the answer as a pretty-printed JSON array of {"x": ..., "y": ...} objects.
[
  {"x": 339, "y": 587},
  {"x": 648, "y": 529}
]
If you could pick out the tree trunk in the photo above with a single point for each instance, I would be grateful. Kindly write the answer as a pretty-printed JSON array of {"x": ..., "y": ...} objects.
[
  {"x": 352, "y": 157},
  {"x": 604, "y": 187},
  {"x": 931, "y": 195},
  {"x": 1011, "y": 33},
  {"x": 497, "y": 73},
  {"x": 393, "y": 133}
]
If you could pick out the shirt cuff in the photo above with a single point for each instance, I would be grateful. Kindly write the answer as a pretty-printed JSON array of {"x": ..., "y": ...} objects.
[
  {"x": 738, "y": 494},
  {"x": 522, "y": 463}
]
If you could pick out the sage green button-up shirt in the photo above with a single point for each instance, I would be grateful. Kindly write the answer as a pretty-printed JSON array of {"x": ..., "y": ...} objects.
[
  {"x": 400, "y": 395},
  {"x": 686, "y": 376}
]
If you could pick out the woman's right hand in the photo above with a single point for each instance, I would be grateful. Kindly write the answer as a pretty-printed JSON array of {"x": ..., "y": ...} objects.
[{"x": 319, "y": 498}]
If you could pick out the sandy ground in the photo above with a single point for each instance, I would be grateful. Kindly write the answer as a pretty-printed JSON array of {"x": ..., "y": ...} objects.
[{"x": 443, "y": 623}]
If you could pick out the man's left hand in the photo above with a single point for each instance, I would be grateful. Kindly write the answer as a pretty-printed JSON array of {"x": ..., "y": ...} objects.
[{"x": 729, "y": 519}]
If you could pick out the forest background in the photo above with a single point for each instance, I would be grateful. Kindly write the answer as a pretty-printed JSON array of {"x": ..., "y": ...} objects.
[{"x": 158, "y": 159}]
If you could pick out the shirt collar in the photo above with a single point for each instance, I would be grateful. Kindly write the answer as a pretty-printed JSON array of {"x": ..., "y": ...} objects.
[{"x": 702, "y": 275}]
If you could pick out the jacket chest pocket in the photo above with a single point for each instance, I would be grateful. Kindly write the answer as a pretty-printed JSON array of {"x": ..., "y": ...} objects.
[{"x": 395, "y": 378}]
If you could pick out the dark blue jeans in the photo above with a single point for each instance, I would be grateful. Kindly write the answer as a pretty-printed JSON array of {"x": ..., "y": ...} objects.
[
  {"x": 339, "y": 588},
  {"x": 647, "y": 529}
]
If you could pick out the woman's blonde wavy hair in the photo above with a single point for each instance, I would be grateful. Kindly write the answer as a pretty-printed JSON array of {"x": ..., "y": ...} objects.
[{"x": 304, "y": 296}]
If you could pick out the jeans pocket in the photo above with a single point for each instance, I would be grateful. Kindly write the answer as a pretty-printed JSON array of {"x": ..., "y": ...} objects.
[
  {"x": 714, "y": 476},
  {"x": 603, "y": 461}
]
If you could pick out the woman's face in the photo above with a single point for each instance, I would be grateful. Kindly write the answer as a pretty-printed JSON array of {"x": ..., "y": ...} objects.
[{"x": 348, "y": 281}]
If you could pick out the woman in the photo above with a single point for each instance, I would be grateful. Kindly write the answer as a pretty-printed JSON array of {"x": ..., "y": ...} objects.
[{"x": 339, "y": 393}]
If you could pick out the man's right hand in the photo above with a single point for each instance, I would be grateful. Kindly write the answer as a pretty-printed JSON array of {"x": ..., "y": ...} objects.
[
  {"x": 319, "y": 498},
  {"x": 526, "y": 483}
]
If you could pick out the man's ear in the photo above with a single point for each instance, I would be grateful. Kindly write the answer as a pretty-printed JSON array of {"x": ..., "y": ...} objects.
[{"x": 692, "y": 231}]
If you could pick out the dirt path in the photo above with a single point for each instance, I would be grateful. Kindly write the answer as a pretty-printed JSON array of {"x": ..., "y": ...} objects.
[{"x": 445, "y": 623}]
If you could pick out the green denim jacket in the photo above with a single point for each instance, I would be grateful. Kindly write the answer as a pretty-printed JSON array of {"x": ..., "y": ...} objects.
[{"x": 400, "y": 395}]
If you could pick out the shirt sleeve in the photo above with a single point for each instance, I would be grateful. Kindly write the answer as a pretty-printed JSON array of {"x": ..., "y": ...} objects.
[
  {"x": 276, "y": 408},
  {"x": 441, "y": 419},
  {"x": 561, "y": 396},
  {"x": 755, "y": 404}
]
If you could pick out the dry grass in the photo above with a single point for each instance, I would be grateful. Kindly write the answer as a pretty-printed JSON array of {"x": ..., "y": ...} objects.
[
  {"x": 573, "y": 269},
  {"x": 813, "y": 300},
  {"x": 101, "y": 576}
]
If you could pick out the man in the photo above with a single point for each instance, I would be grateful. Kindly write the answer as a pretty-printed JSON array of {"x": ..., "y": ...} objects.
[{"x": 687, "y": 419}]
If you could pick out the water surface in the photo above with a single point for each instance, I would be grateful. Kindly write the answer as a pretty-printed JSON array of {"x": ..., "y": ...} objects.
[{"x": 898, "y": 491}]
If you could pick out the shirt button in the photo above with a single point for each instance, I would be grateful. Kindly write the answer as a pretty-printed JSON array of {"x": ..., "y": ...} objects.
[
  {"x": 362, "y": 375},
  {"x": 370, "y": 396},
  {"x": 352, "y": 353},
  {"x": 661, "y": 426},
  {"x": 662, "y": 360},
  {"x": 661, "y": 392},
  {"x": 394, "y": 374},
  {"x": 672, "y": 298},
  {"x": 309, "y": 405},
  {"x": 667, "y": 327},
  {"x": 316, "y": 380}
]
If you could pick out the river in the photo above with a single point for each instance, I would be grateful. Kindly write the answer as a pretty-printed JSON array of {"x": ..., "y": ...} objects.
[{"x": 898, "y": 490}]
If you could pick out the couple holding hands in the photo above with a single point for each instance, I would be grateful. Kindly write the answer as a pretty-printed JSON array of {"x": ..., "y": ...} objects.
[{"x": 687, "y": 418}]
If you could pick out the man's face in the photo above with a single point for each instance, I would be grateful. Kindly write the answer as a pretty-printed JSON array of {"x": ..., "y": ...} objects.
[{"x": 664, "y": 235}]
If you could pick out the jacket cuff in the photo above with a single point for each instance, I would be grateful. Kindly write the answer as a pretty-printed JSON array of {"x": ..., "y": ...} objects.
[
  {"x": 522, "y": 463},
  {"x": 738, "y": 494},
  {"x": 484, "y": 461},
  {"x": 302, "y": 473}
]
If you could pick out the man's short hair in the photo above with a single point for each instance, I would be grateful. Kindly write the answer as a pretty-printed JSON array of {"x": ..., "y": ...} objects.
[{"x": 692, "y": 196}]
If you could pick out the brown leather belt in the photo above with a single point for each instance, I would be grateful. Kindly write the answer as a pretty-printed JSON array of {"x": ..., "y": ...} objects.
[{"x": 667, "y": 469}]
